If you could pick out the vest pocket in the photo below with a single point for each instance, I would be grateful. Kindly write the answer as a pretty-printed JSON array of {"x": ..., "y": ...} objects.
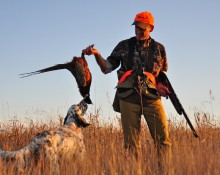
[{"x": 150, "y": 91}]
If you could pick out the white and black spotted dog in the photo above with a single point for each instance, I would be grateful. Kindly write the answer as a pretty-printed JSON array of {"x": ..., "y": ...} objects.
[{"x": 64, "y": 142}]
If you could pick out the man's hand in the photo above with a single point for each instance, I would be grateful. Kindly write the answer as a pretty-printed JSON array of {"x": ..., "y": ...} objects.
[
  {"x": 162, "y": 90},
  {"x": 90, "y": 50}
]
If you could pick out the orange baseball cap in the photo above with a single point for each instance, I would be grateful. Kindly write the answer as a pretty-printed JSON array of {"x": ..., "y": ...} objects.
[{"x": 143, "y": 19}]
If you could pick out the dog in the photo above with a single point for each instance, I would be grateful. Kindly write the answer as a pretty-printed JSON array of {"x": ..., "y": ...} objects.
[{"x": 53, "y": 146}]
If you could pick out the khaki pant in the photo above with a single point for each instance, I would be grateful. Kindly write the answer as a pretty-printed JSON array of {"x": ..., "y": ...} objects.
[{"x": 155, "y": 117}]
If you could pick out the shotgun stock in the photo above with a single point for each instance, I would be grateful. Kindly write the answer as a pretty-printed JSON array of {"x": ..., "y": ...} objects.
[{"x": 175, "y": 101}]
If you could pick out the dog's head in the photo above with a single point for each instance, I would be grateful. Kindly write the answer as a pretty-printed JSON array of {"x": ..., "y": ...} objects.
[{"x": 75, "y": 115}]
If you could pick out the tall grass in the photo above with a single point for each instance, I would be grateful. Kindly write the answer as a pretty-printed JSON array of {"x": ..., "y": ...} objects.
[{"x": 106, "y": 154}]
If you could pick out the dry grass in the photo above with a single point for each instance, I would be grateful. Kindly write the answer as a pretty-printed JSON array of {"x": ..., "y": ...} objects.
[{"x": 106, "y": 155}]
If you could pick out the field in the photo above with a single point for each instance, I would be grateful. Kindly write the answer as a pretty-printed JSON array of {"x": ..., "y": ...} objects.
[{"x": 106, "y": 155}]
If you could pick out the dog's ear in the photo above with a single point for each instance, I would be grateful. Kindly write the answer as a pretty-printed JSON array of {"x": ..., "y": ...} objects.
[{"x": 82, "y": 122}]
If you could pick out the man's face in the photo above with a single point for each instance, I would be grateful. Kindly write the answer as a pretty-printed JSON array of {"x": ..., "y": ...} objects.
[{"x": 142, "y": 34}]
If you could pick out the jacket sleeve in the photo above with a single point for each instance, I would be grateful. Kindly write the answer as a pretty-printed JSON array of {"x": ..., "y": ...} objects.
[{"x": 116, "y": 56}]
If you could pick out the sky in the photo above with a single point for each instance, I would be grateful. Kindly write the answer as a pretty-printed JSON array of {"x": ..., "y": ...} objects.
[{"x": 39, "y": 34}]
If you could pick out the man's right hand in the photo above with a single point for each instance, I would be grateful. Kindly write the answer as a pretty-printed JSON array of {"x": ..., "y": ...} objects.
[{"x": 90, "y": 50}]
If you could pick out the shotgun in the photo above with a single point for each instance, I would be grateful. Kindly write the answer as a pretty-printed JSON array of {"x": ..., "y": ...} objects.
[{"x": 175, "y": 101}]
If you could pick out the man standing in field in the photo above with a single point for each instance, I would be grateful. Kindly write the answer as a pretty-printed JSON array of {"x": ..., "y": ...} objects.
[{"x": 139, "y": 90}]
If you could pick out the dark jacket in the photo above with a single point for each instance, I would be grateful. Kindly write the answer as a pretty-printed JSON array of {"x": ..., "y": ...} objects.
[
  {"x": 138, "y": 56},
  {"x": 129, "y": 53}
]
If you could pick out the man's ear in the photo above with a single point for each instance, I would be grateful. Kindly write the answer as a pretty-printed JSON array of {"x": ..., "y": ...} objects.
[{"x": 151, "y": 28}]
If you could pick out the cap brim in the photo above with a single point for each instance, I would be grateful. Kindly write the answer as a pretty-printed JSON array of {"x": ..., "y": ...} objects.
[{"x": 140, "y": 24}]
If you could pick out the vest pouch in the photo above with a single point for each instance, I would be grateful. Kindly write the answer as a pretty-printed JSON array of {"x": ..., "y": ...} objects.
[
  {"x": 150, "y": 91},
  {"x": 116, "y": 105},
  {"x": 120, "y": 94},
  {"x": 126, "y": 88}
]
